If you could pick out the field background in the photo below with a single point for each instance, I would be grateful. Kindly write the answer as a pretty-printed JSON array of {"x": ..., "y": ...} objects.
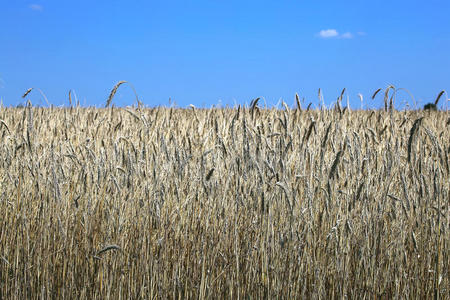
[{"x": 136, "y": 203}]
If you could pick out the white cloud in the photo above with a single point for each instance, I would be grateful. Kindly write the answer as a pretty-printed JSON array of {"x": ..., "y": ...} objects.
[
  {"x": 328, "y": 33},
  {"x": 36, "y": 7},
  {"x": 347, "y": 35},
  {"x": 333, "y": 33}
]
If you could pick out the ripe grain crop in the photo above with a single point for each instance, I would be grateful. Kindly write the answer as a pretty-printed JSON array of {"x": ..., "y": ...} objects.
[{"x": 252, "y": 202}]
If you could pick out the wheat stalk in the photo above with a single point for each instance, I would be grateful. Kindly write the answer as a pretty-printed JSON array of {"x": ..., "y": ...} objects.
[
  {"x": 297, "y": 100},
  {"x": 412, "y": 132},
  {"x": 439, "y": 97},
  {"x": 113, "y": 92},
  {"x": 108, "y": 248},
  {"x": 335, "y": 164},
  {"x": 386, "y": 97},
  {"x": 27, "y": 92},
  {"x": 6, "y": 126}
]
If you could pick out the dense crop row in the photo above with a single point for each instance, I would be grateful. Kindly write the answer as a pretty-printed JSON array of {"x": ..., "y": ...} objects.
[{"x": 142, "y": 203}]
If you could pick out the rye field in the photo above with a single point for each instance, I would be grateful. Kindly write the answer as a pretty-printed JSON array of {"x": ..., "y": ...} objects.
[{"x": 237, "y": 203}]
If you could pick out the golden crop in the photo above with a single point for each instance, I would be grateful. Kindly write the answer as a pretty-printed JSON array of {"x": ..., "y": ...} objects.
[{"x": 140, "y": 203}]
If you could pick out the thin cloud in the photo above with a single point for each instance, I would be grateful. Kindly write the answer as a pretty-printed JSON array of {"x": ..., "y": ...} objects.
[
  {"x": 333, "y": 33},
  {"x": 328, "y": 33},
  {"x": 36, "y": 7},
  {"x": 347, "y": 35}
]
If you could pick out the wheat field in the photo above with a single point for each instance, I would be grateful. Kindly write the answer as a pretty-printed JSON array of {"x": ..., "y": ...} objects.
[{"x": 248, "y": 202}]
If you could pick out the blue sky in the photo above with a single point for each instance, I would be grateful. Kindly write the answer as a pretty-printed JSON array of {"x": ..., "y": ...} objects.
[{"x": 223, "y": 52}]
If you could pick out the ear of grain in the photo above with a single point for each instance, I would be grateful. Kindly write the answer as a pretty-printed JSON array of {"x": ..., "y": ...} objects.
[
  {"x": 108, "y": 248},
  {"x": 335, "y": 164},
  {"x": 375, "y": 94},
  {"x": 342, "y": 95},
  {"x": 412, "y": 132},
  {"x": 113, "y": 92},
  {"x": 325, "y": 138},
  {"x": 208, "y": 176},
  {"x": 297, "y": 99},
  {"x": 386, "y": 96},
  {"x": 27, "y": 92},
  {"x": 253, "y": 105},
  {"x": 439, "y": 97},
  {"x": 6, "y": 126},
  {"x": 308, "y": 133},
  {"x": 391, "y": 102}
]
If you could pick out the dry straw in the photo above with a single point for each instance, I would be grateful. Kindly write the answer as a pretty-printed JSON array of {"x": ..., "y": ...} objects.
[{"x": 202, "y": 203}]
